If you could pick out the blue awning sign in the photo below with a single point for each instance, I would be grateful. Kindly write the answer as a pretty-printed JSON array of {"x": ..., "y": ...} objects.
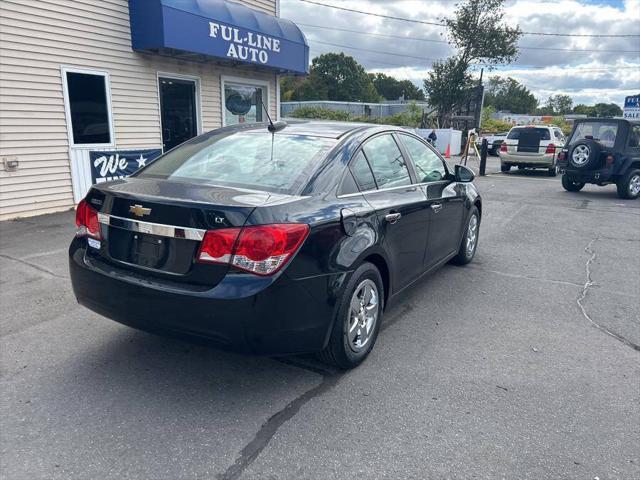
[
  {"x": 221, "y": 29},
  {"x": 250, "y": 46}
]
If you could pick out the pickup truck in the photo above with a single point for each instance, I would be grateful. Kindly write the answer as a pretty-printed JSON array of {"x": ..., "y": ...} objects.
[{"x": 494, "y": 141}]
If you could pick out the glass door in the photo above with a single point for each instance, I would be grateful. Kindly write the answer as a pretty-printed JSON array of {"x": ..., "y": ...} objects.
[{"x": 178, "y": 111}]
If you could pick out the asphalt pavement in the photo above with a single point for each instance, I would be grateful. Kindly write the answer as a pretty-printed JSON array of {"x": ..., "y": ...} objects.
[{"x": 523, "y": 364}]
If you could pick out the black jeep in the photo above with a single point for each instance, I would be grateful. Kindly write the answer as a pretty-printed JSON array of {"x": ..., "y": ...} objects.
[{"x": 602, "y": 151}]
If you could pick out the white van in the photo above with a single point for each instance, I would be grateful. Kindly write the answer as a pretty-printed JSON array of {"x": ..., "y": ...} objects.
[{"x": 532, "y": 146}]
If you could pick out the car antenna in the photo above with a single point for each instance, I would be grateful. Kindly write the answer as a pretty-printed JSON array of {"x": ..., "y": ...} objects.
[{"x": 273, "y": 126}]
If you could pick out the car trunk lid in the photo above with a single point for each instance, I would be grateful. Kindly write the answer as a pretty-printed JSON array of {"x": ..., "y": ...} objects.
[{"x": 156, "y": 226}]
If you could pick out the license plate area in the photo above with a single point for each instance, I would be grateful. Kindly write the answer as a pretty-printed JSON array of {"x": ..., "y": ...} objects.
[
  {"x": 148, "y": 251},
  {"x": 166, "y": 254}
]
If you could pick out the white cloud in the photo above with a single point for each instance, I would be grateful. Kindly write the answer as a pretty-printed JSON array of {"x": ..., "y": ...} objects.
[{"x": 543, "y": 71}]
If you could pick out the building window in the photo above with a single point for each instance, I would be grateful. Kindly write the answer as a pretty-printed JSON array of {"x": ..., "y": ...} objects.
[
  {"x": 88, "y": 108},
  {"x": 243, "y": 102}
]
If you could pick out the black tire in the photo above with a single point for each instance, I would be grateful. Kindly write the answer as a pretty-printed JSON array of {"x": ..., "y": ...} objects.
[
  {"x": 570, "y": 185},
  {"x": 585, "y": 154},
  {"x": 553, "y": 171},
  {"x": 339, "y": 351},
  {"x": 627, "y": 183},
  {"x": 465, "y": 255},
  {"x": 521, "y": 167},
  {"x": 505, "y": 167}
]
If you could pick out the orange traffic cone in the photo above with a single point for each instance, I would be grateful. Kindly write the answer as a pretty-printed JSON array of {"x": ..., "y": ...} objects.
[{"x": 447, "y": 152}]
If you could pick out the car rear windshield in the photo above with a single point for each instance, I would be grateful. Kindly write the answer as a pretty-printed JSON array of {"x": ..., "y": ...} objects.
[
  {"x": 603, "y": 132},
  {"x": 543, "y": 133},
  {"x": 256, "y": 160}
]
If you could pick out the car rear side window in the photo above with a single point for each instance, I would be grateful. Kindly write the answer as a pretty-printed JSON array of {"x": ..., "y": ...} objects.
[
  {"x": 362, "y": 173},
  {"x": 603, "y": 132},
  {"x": 429, "y": 167},
  {"x": 634, "y": 137},
  {"x": 255, "y": 160},
  {"x": 388, "y": 165},
  {"x": 543, "y": 133}
]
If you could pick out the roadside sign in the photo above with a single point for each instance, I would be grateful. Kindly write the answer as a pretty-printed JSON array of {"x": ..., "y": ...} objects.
[{"x": 632, "y": 107}]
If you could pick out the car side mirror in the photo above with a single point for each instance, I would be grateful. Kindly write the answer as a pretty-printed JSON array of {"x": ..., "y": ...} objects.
[{"x": 464, "y": 174}]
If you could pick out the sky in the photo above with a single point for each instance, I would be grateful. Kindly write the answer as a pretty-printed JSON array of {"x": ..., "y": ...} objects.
[{"x": 606, "y": 71}]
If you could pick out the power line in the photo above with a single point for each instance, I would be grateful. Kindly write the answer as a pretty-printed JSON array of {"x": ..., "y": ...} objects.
[
  {"x": 439, "y": 24},
  {"x": 360, "y": 32},
  {"x": 380, "y": 52},
  {"x": 374, "y": 51}
]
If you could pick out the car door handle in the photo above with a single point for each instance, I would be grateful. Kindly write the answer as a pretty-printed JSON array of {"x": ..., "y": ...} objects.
[
  {"x": 392, "y": 217},
  {"x": 436, "y": 207}
]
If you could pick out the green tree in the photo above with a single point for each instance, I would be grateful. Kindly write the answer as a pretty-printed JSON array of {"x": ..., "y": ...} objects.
[
  {"x": 509, "y": 94},
  {"x": 603, "y": 110},
  {"x": 411, "y": 91},
  {"x": 582, "y": 109},
  {"x": 345, "y": 79},
  {"x": 449, "y": 84},
  {"x": 558, "y": 105},
  {"x": 391, "y": 88},
  {"x": 607, "y": 110},
  {"x": 333, "y": 76},
  {"x": 479, "y": 35}
]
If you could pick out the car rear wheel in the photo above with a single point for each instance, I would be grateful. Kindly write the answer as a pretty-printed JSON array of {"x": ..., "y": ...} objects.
[
  {"x": 505, "y": 167},
  {"x": 357, "y": 323},
  {"x": 570, "y": 185},
  {"x": 553, "y": 172},
  {"x": 470, "y": 240},
  {"x": 629, "y": 185}
]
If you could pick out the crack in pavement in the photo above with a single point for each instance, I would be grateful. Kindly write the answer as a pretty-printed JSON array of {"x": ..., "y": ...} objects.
[
  {"x": 253, "y": 449},
  {"x": 585, "y": 289},
  {"x": 330, "y": 379},
  {"x": 524, "y": 277},
  {"x": 33, "y": 265}
]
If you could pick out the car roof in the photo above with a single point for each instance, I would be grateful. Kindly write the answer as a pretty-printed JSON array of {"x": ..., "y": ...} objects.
[
  {"x": 534, "y": 126},
  {"x": 318, "y": 128},
  {"x": 608, "y": 119}
]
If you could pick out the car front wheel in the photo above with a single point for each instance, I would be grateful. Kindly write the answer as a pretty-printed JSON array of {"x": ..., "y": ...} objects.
[
  {"x": 629, "y": 185},
  {"x": 357, "y": 322},
  {"x": 571, "y": 186}
]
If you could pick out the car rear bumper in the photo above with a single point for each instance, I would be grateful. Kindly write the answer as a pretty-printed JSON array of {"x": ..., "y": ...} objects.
[
  {"x": 243, "y": 313},
  {"x": 534, "y": 161},
  {"x": 601, "y": 175}
]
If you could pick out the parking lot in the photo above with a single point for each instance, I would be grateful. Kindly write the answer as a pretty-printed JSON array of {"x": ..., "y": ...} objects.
[{"x": 524, "y": 364}]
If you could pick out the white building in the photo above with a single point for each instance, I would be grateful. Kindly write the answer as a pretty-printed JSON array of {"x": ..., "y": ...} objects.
[{"x": 82, "y": 76}]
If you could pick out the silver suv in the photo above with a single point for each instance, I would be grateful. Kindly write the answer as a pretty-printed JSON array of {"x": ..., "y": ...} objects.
[{"x": 531, "y": 146}]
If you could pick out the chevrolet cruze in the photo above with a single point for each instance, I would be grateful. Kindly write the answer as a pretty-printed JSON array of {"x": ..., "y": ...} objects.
[{"x": 274, "y": 239}]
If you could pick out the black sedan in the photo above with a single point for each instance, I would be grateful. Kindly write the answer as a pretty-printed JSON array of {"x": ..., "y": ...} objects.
[{"x": 274, "y": 242}]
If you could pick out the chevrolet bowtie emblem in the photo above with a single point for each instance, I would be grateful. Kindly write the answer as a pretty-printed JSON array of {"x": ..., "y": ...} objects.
[{"x": 139, "y": 210}]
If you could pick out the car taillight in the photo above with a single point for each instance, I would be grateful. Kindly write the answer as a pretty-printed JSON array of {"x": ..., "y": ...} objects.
[
  {"x": 87, "y": 221},
  {"x": 503, "y": 147},
  {"x": 260, "y": 249},
  {"x": 610, "y": 159},
  {"x": 561, "y": 156},
  {"x": 551, "y": 148}
]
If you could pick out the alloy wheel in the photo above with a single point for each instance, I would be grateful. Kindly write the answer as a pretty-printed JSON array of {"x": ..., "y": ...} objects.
[
  {"x": 634, "y": 185},
  {"x": 580, "y": 155},
  {"x": 363, "y": 315},
  {"x": 472, "y": 235}
]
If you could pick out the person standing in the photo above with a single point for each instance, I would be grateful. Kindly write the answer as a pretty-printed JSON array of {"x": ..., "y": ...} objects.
[{"x": 432, "y": 137}]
